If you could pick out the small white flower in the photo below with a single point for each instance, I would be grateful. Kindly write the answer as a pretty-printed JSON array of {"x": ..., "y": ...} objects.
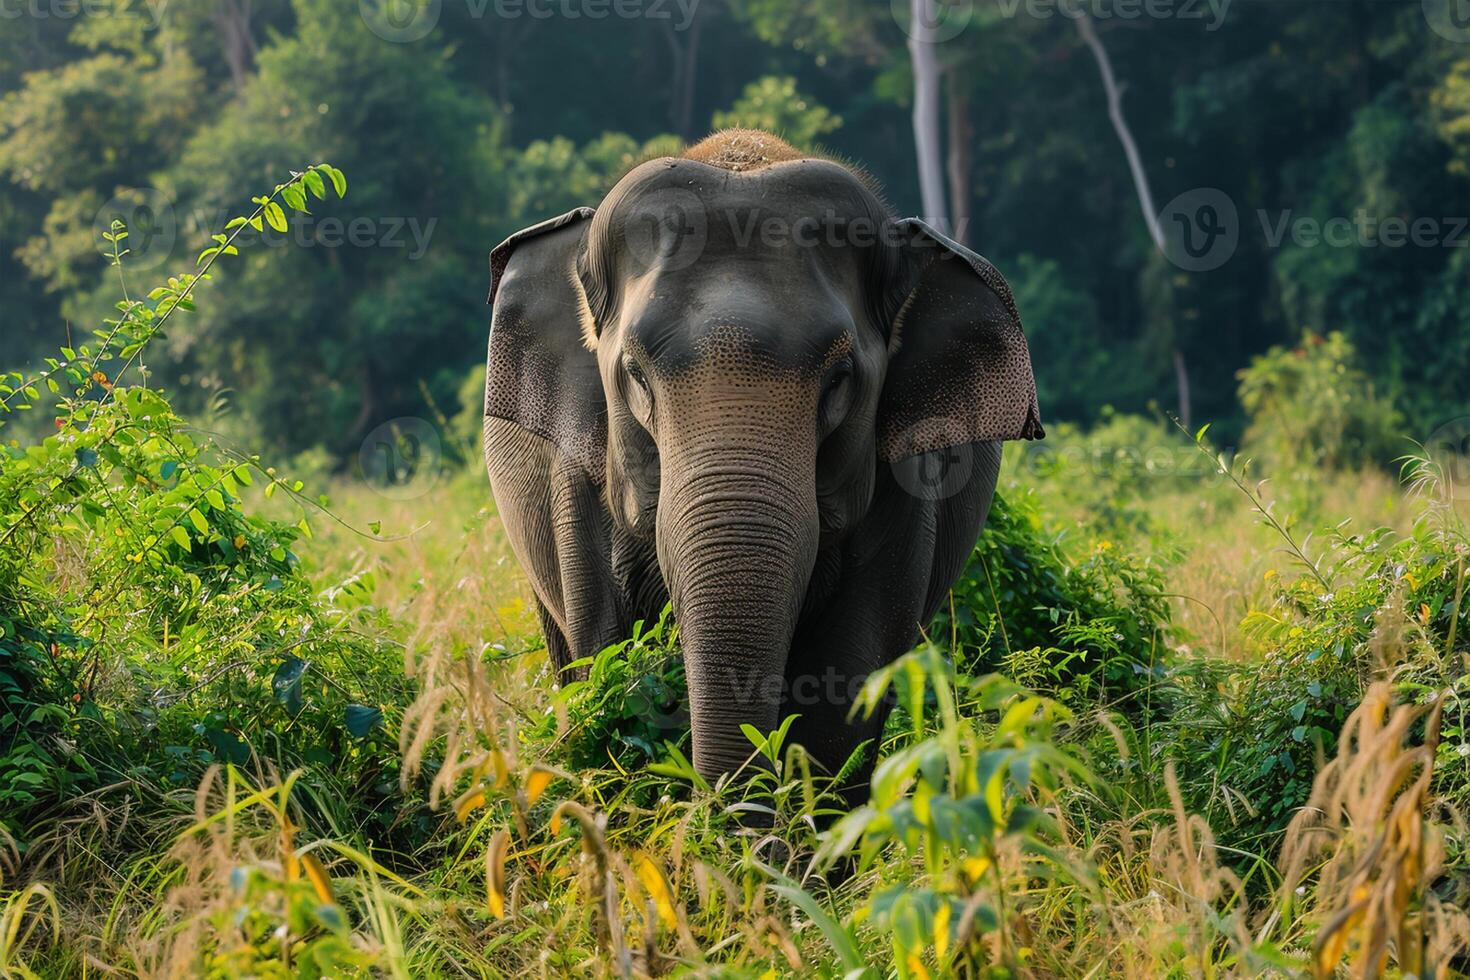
[
  {"x": 1118, "y": 637},
  {"x": 1463, "y": 749}
]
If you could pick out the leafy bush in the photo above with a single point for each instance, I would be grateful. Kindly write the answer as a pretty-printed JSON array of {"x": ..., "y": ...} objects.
[
  {"x": 632, "y": 700},
  {"x": 1109, "y": 479},
  {"x": 153, "y": 624},
  {"x": 774, "y": 105},
  {"x": 1311, "y": 406},
  {"x": 1372, "y": 605},
  {"x": 1088, "y": 629}
]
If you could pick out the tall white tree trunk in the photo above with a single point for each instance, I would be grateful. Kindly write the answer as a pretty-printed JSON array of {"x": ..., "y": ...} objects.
[
  {"x": 1114, "y": 94},
  {"x": 924, "y": 21},
  {"x": 1120, "y": 127},
  {"x": 961, "y": 136}
]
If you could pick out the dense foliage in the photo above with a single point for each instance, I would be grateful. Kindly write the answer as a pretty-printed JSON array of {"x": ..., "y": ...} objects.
[
  {"x": 151, "y": 625},
  {"x": 1184, "y": 713},
  {"x": 217, "y": 760},
  {"x": 1338, "y": 139}
]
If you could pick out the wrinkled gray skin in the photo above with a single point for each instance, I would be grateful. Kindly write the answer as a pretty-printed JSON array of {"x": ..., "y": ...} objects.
[{"x": 756, "y": 435}]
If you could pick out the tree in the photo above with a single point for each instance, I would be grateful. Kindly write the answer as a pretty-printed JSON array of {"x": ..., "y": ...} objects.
[
  {"x": 398, "y": 298},
  {"x": 774, "y": 104}
]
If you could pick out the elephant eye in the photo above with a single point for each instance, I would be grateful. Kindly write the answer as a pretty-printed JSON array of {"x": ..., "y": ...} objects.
[
  {"x": 636, "y": 373},
  {"x": 836, "y": 396},
  {"x": 640, "y": 395}
]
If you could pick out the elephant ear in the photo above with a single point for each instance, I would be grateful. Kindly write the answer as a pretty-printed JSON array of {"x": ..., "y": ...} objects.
[
  {"x": 539, "y": 373},
  {"x": 960, "y": 370}
]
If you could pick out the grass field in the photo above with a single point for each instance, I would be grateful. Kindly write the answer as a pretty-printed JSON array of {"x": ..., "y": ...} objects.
[
  {"x": 1175, "y": 719},
  {"x": 1121, "y": 820}
]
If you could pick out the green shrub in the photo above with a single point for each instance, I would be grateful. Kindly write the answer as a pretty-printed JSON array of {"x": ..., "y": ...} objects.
[
  {"x": 1311, "y": 406},
  {"x": 1372, "y": 604},
  {"x": 1086, "y": 629},
  {"x": 151, "y": 623}
]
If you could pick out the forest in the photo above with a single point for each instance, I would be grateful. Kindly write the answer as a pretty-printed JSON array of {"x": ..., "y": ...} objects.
[{"x": 274, "y": 697}]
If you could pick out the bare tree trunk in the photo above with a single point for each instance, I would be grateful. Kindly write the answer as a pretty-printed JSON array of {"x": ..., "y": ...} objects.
[
  {"x": 1114, "y": 94},
  {"x": 685, "y": 72},
  {"x": 1120, "y": 127},
  {"x": 236, "y": 41},
  {"x": 961, "y": 156},
  {"x": 1181, "y": 378},
  {"x": 925, "y": 15}
]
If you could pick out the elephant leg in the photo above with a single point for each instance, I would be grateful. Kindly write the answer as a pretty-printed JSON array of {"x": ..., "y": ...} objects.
[
  {"x": 558, "y": 651},
  {"x": 891, "y": 577},
  {"x": 871, "y": 617},
  {"x": 554, "y": 519}
]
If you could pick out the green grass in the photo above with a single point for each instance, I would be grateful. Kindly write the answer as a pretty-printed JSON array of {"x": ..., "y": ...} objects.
[
  {"x": 604, "y": 853},
  {"x": 1174, "y": 721}
]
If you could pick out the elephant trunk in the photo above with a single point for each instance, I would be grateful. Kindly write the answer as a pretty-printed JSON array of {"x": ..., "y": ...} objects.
[{"x": 737, "y": 541}]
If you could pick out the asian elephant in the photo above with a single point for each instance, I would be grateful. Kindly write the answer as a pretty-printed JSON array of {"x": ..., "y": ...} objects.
[{"x": 740, "y": 385}]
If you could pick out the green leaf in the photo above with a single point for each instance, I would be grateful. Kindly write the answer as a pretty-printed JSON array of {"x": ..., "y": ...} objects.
[
  {"x": 197, "y": 519},
  {"x": 313, "y": 182},
  {"x": 181, "y": 537},
  {"x": 294, "y": 197},
  {"x": 361, "y": 719},
  {"x": 228, "y": 746},
  {"x": 286, "y": 684},
  {"x": 838, "y": 936},
  {"x": 276, "y": 216},
  {"x": 339, "y": 181}
]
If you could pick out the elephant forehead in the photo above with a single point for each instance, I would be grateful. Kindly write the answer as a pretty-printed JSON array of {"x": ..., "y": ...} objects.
[{"x": 694, "y": 211}]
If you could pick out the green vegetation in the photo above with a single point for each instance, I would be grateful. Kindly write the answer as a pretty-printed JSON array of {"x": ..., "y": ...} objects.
[
  {"x": 1161, "y": 729},
  {"x": 1340, "y": 141},
  {"x": 273, "y": 700}
]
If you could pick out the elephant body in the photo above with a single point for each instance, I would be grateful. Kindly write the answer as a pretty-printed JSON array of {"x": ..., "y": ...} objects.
[{"x": 712, "y": 390}]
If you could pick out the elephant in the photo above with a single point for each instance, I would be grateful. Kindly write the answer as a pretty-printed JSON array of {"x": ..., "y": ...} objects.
[{"x": 740, "y": 385}]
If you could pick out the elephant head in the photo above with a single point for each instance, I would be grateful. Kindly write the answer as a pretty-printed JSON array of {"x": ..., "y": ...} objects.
[{"x": 735, "y": 342}]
